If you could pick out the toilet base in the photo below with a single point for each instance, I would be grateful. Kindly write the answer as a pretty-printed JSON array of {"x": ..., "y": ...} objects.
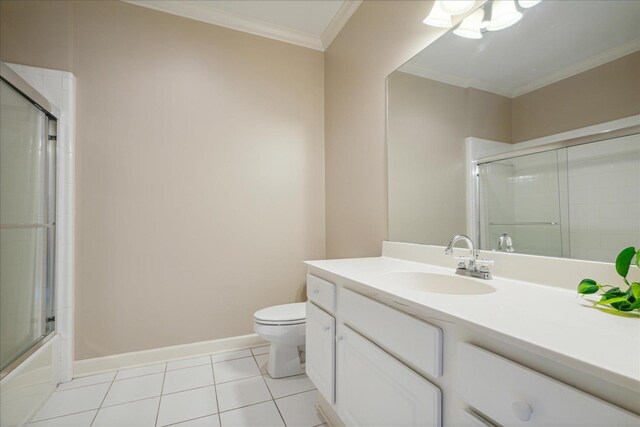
[{"x": 284, "y": 361}]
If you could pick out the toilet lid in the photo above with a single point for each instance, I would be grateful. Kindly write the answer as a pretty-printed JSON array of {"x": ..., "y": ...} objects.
[{"x": 282, "y": 313}]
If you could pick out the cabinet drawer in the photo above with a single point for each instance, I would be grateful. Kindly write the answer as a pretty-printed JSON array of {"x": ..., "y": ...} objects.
[
  {"x": 415, "y": 342},
  {"x": 514, "y": 395},
  {"x": 374, "y": 389},
  {"x": 474, "y": 420},
  {"x": 321, "y": 292}
]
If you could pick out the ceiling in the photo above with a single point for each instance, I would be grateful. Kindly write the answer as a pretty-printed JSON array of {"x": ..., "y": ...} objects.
[
  {"x": 554, "y": 40},
  {"x": 309, "y": 23}
]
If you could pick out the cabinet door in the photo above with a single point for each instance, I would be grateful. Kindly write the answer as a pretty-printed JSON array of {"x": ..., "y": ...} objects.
[
  {"x": 375, "y": 389},
  {"x": 320, "y": 350}
]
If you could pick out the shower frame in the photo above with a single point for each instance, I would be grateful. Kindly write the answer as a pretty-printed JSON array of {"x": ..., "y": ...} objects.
[
  {"x": 49, "y": 139},
  {"x": 474, "y": 191}
]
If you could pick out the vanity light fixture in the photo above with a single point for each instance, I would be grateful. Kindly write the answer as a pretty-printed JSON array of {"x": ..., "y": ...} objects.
[
  {"x": 456, "y": 7},
  {"x": 502, "y": 14},
  {"x": 471, "y": 27},
  {"x": 438, "y": 17},
  {"x": 528, "y": 3}
]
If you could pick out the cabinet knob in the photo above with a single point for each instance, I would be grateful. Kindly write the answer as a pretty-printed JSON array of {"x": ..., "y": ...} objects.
[
  {"x": 326, "y": 328},
  {"x": 316, "y": 291},
  {"x": 339, "y": 338},
  {"x": 522, "y": 410}
]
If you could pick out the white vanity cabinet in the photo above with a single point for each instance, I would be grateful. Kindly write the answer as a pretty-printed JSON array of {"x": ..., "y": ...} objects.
[
  {"x": 369, "y": 361},
  {"x": 375, "y": 389},
  {"x": 406, "y": 355},
  {"x": 320, "y": 350},
  {"x": 320, "y": 335}
]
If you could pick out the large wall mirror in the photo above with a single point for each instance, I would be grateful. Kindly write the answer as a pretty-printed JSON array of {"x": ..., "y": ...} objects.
[{"x": 527, "y": 138}]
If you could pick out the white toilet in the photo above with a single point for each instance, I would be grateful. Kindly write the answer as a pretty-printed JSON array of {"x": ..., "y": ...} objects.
[{"x": 284, "y": 327}]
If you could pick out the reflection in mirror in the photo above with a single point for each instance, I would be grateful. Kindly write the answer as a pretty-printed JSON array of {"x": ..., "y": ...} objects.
[{"x": 527, "y": 138}]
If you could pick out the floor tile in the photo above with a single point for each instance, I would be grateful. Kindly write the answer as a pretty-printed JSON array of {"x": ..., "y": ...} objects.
[
  {"x": 83, "y": 419},
  {"x": 210, "y": 421},
  {"x": 72, "y": 401},
  {"x": 290, "y": 385},
  {"x": 188, "y": 363},
  {"x": 187, "y": 405},
  {"x": 85, "y": 381},
  {"x": 237, "y": 369},
  {"x": 239, "y": 393},
  {"x": 261, "y": 350},
  {"x": 230, "y": 355},
  {"x": 187, "y": 378},
  {"x": 139, "y": 371},
  {"x": 262, "y": 360},
  {"x": 300, "y": 410},
  {"x": 134, "y": 389},
  {"x": 260, "y": 415},
  {"x": 139, "y": 414}
]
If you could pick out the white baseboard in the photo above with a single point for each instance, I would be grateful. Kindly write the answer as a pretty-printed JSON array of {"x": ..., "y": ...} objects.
[{"x": 96, "y": 365}]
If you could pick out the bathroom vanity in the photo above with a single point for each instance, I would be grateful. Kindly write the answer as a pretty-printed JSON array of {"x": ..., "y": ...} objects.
[{"x": 392, "y": 341}]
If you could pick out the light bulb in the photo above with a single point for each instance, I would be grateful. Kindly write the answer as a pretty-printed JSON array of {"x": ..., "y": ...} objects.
[
  {"x": 457, "y": 7},
  {"x": 438, "y": 17},
  {"x": 503, "y": 14},
  {"x": 528, "y": 3},
  {"x": 471, "y": 26}
]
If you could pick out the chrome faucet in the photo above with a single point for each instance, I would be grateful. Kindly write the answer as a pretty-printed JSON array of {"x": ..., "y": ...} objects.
[
  {"x": 471, "y": 265},
  {"x": 505, "y": 244}
]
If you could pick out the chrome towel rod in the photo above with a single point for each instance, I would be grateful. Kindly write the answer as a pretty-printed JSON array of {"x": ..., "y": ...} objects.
[
  {"x": 524, "y": 223},
  {"x": 36, "y": 225}
]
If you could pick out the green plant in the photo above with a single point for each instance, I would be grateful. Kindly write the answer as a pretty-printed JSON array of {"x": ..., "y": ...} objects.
[{"x": 628, "y": 300}]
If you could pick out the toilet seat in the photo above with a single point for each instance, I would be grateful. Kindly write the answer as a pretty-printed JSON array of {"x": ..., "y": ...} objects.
[
  {"x": 285, "y": 314},
  {"x": 264, "y": 322}
]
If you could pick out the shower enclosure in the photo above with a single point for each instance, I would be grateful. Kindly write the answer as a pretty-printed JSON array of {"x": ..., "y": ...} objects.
[
  {"x": 578, "y": 201},
  {"x": 27, "y": 222}
]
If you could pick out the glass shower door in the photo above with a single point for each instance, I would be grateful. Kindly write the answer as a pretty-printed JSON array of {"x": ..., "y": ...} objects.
[
  {"x": 27, "y": 225},
  {"x": 521, "y": 197}
]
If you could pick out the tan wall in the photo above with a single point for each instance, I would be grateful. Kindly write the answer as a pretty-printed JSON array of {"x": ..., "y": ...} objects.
[
  {"x": 426, "y": 159},
  {"x": 608, "y": 92},
  {"x": 379, "y": 37},
  {"x": 200, "y": 177},
  {"x": 426, "y": 153},
  {"x": 488, "y": 115},
  {"x": 36, "y": 33}
]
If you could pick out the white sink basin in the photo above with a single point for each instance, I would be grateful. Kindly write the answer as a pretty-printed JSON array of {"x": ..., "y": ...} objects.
[{"x": 436, "y": 283}]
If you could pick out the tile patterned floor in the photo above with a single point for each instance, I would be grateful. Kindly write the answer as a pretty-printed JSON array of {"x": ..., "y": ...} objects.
[{"x": 222, "y": 389}]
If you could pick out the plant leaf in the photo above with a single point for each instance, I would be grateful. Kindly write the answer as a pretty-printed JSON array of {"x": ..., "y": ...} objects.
[
  {"x": 614, "y": 292},
  {"x": 622, "y": 305},
  {"x": 588, "y": 286},
  {"x": 610, "y": 300},
  {"x": 638, "y": 258},
  {"x": 635, "y": 305},
  {"x": 635, "y": 290},
  {"x": 623, "y": 260}
]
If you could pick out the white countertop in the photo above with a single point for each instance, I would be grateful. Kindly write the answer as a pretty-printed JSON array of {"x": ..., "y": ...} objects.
[{"x": 551, "y": 321}]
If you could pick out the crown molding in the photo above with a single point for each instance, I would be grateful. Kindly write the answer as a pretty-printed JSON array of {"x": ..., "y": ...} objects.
[
  {"x": 580, "y": 67},
  {"x": 235, "y": 22},
  {"x": 574, "y": 69},
  {"x": 420, "y": 71},
  {"x": 339, "y": 21}
]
